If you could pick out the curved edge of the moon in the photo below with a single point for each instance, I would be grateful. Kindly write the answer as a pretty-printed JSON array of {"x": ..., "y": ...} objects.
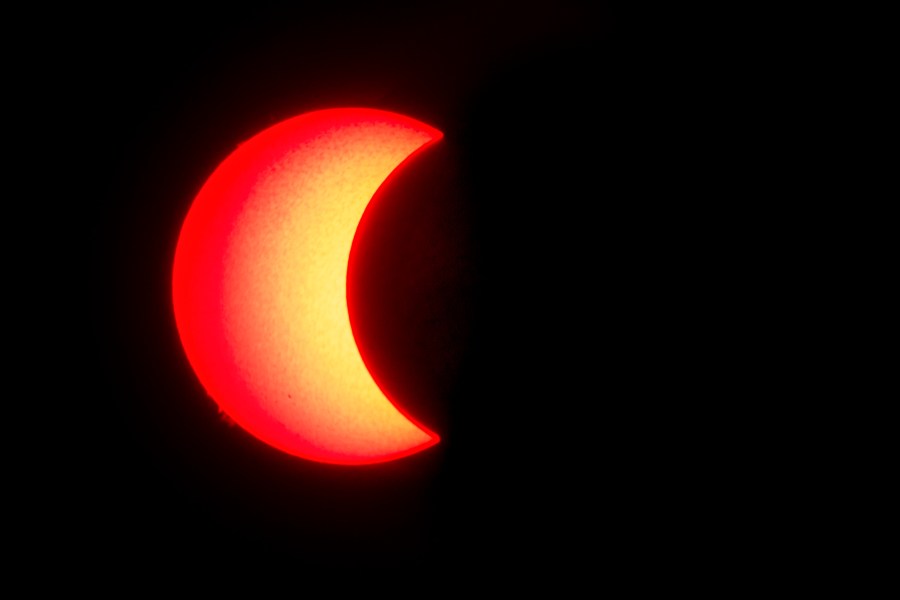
[{"x": 434, "y": 438}]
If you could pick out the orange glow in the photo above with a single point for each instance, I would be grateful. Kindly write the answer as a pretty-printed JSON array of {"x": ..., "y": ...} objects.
[{"x": 260, "y": 280}]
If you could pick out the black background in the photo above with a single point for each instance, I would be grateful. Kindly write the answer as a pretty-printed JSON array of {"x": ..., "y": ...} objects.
[{"x": 558, "y": 326}]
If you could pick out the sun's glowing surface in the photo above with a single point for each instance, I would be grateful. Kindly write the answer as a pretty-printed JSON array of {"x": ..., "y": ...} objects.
[{"x": 260, "y": 279}]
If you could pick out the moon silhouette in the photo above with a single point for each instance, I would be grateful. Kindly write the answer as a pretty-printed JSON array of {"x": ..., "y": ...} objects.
[{"x": 259, "y": 285}]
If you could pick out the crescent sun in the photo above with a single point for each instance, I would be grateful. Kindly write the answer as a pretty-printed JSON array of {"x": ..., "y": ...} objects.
[{"x": 259, "y": 285}]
